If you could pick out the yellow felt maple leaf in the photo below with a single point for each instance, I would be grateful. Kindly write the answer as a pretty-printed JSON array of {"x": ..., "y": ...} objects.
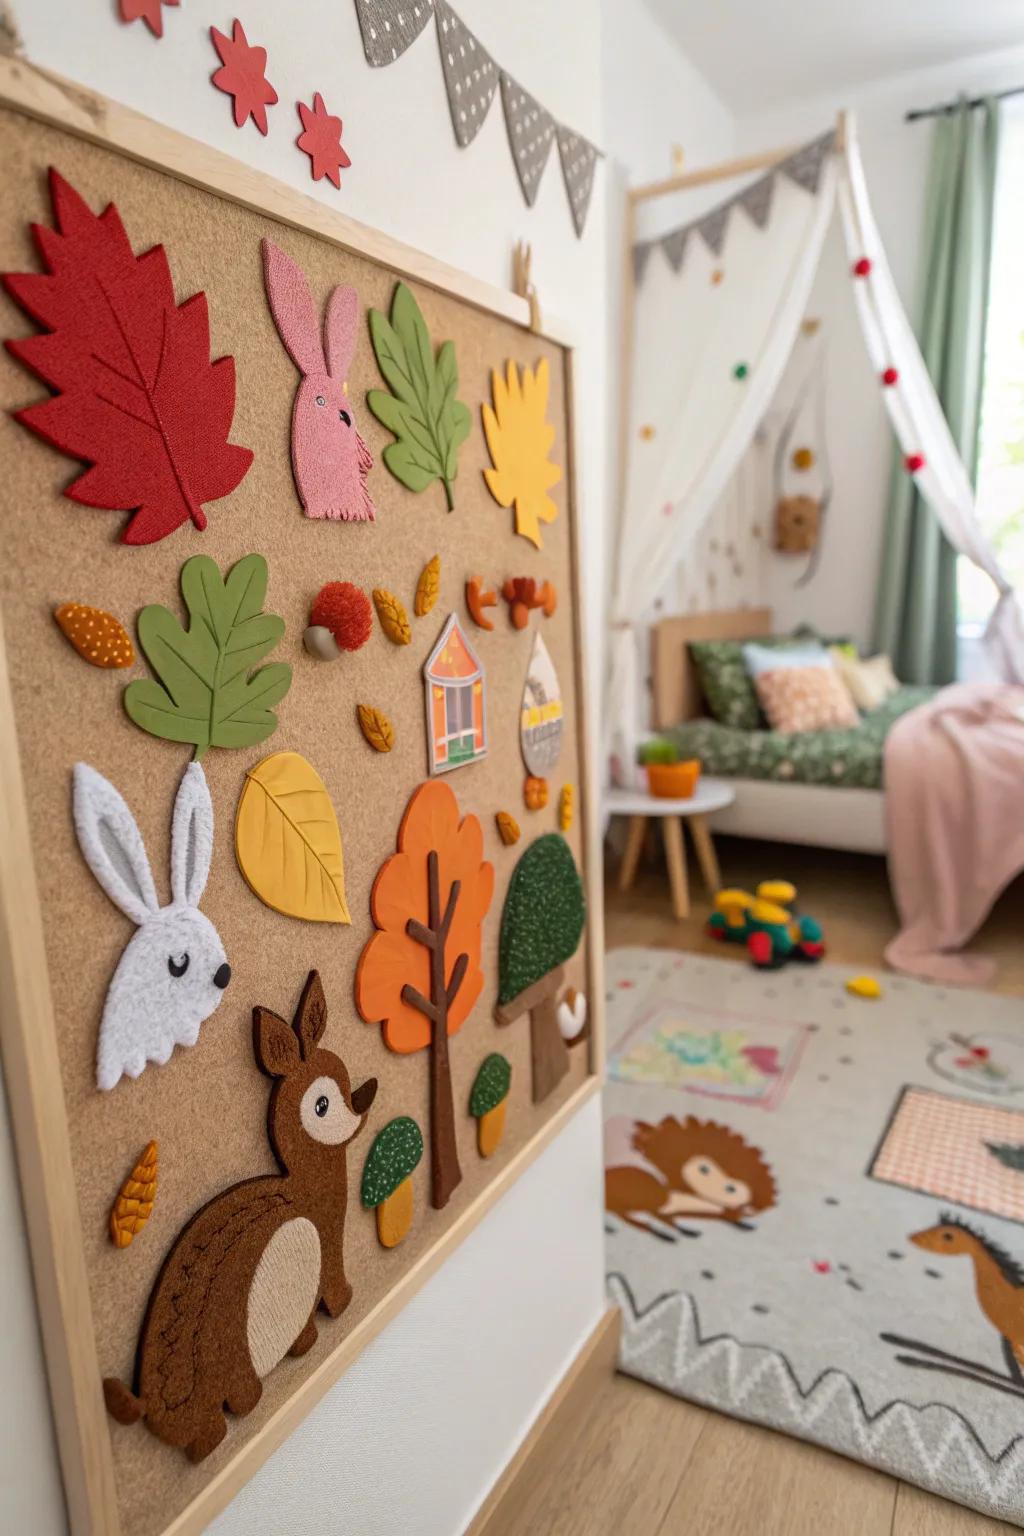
[{"x": 520, "y": 438}]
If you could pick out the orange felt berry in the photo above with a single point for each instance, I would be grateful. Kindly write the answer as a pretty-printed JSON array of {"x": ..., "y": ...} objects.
[
  {"x": 535, "y": 793},
  {"x": 97, "y": 636},
  {"x": 345, "y": 610}
]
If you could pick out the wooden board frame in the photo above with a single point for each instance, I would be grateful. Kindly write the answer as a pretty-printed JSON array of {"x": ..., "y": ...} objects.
[{"x": 27, "y": 1029}]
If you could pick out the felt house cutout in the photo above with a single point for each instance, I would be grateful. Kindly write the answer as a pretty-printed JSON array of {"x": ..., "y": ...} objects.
[{"x": 456, "y": 732}]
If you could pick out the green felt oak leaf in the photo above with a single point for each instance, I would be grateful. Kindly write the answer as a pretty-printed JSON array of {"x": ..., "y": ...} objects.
[
  {"x": 430, "y": 425},
  {"x": 208, "y": 693}
]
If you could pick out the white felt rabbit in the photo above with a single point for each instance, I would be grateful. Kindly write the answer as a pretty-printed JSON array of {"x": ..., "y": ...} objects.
[{"x": 174, "y": 970}]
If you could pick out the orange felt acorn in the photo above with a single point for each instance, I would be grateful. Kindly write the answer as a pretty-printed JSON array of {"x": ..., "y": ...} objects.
[{"x": 97, "y": 636}]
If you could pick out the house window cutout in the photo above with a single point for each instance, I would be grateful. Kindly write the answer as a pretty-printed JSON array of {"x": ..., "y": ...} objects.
[{"x": 454, "y": 679}]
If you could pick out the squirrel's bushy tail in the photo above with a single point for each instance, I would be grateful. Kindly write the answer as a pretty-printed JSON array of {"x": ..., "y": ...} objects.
[{"x": 122, "y": 1405}]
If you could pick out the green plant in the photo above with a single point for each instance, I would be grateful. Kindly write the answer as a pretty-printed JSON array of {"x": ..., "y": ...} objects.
[{"x": 658, "y": 751}]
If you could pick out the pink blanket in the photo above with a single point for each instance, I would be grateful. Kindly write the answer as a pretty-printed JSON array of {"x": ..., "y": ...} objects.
[{"x": 954, "y": 805}]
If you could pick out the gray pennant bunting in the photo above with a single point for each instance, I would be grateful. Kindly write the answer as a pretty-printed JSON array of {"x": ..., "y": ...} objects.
[
  {"x": 674, "y": 245},
  {"x": 531, "y": 130},
  {"x": 712, "y": 226},
  {"x": 641, "y": 256},
  {"x": 805, "y": 166},
  {"x": 389, "y": 26},
  {"x": 756, "y": 200},
  {"x": 470, "y": 74},
  {"x": 579, "y": 159}
]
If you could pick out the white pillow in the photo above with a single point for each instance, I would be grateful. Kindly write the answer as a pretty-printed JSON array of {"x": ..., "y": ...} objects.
[
  {"x": 869, "y": 682},
  {"x": 769, "y": 658}
]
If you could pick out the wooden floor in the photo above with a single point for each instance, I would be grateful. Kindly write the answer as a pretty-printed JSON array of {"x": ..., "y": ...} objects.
[{"x": 643, "y": 1463}]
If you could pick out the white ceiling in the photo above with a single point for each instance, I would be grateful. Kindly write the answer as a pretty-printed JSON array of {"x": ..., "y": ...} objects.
[{"x": 759, "y": 53}]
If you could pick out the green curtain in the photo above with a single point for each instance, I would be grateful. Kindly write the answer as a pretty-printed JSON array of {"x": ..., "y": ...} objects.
[{"x": 916, "y": 613}]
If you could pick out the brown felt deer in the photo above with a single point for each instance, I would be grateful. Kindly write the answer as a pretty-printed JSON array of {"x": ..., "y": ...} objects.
[{"x": 241, "y": 1286}]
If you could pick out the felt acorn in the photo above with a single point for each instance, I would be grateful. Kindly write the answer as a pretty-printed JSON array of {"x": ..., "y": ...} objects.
[
  {"x": 488, "y": 1101},
  {"x": 340, "y": 620},
  {"x": 387, "y": 1178},
  {"x": 97, "y": 636}
]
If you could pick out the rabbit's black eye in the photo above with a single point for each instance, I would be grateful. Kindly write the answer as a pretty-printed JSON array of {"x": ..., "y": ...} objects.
[
  {"x": 346, "y": 418},
  {"x": 320, "y": 400},
  {"x": 322, "y": 1105},
  {"x": 179, "y": 966}
]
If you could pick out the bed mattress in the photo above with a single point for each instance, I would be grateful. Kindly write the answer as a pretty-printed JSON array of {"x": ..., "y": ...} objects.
[{"x": 848, "y": 759}]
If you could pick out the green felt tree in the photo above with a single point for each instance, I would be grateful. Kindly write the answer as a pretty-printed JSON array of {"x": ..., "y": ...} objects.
[
  {"x": 429, "y": 423},
  {"x": 1009, "y": 1153},
  {"x": 208, "y": 693},
  {"x": 541, "y": 927}
]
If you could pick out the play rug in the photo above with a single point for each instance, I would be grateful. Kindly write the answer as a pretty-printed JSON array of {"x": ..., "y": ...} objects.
[{"x": 816, "y": 1210}]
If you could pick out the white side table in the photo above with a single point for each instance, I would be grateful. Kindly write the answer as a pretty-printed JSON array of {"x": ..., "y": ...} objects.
[{"x": 710, "y": 795}]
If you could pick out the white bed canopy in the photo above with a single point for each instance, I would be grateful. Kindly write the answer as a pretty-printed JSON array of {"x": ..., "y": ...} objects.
[{"x": 707, "y": 363}]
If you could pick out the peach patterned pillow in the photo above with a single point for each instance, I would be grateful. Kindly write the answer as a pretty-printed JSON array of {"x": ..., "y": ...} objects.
[{"x": 805, "y": 699}]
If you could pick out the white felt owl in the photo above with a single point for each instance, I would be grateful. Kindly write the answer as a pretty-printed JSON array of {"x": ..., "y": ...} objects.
[{"x": 173, "y": 972}]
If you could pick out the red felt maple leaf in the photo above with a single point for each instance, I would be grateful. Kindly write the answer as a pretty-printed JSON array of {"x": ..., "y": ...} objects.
[
  {"x": 135, "y": 394},
  {"x": 320, "y": 139},
  {"x": 242, "y": 75},
  {"x": 149, "y": 11}
]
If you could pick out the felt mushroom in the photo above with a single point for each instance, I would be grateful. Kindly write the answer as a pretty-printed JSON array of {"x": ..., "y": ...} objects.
[
  {"x": 488, "y": 1102},
  {"x": 541, "y": 927},
  {"x": 387, "y": 1182}
]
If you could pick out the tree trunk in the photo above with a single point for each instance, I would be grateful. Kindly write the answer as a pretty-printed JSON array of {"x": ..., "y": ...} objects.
[
  {"x": 548, "y": 1050},
  {"x": 445, "y": 1173}
]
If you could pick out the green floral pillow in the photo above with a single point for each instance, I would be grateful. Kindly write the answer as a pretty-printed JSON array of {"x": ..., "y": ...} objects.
[{"x": 725, "y": 682}]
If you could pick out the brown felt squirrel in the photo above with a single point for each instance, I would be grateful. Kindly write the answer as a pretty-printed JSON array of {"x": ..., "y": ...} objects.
[{"x": 241, "y": 1286}]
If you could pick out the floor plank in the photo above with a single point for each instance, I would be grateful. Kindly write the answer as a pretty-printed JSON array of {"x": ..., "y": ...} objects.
[
  {"x": 618, "y": 1474},
  {"x": 747, "y": 1481},
  {"x": 924, "y": 1514}
]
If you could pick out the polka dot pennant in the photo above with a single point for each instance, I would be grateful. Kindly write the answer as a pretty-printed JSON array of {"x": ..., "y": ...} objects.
[
  {"x": 756, "y": 201},
  {"x": 712, "y": 227},
  {"x": 531, "y": 132},
  {"x": 470, "y": 74},
  {"x": 389, "y": 26},
  {"x": 674, "y": 246},
  {"x": 579, "y": 159}
]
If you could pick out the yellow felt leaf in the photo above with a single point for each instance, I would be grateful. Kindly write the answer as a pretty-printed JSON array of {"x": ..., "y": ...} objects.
[
  {"x": 376, "y": 727},
  {"x": 519, "y": 439},
  {"x": 428, "y": 586},
  {"x": 287, "y": 840},
  {"x": 394, "y": 620}
]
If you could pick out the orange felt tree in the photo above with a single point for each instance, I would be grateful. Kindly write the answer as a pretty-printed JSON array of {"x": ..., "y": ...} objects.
[{"x": 419, "y": 975}]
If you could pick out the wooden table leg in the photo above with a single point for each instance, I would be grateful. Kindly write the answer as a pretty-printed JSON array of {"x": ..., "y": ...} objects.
[
  {"x": 706, "y": 855},
  {"x": 676, "y": 856},
  {"x": 634, "y": 847}
]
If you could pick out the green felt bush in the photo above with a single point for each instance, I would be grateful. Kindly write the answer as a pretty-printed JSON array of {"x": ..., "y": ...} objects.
[
  {"x": 490, "y": 1086},
  {"x": 542, "y": 923},
  {"x": 395, "y": 1152}
]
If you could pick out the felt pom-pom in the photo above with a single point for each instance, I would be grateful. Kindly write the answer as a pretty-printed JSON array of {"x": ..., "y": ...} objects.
[
  {"x": 803, "y": 458},
  {"x": 862, "y": 267},
  {"x": 740, "y": 371},
  {"x": 913, "y": 462},
  {"x": 889, "y": 377},
  {"x": 345, "y": 610}
]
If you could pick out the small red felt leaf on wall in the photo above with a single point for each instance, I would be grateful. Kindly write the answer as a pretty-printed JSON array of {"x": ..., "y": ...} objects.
[
  {"x": 148, "y": 11},
  {"x": 135, "y": 394},
  {"x": 243, "y": 75},
  {"x": 320, "y": 139}
]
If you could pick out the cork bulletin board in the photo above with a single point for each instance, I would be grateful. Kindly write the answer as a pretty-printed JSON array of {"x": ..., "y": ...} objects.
[{"x": 206, "y": 1106}]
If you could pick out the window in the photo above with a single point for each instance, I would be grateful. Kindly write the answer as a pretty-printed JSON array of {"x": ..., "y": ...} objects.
[{"x": 1001, "y": 440}]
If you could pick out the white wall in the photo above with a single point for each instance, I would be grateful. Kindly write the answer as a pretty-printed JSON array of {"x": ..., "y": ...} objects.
[
  {"x": 455, "y": 1381},
  {"x": 841, "y": 596}
]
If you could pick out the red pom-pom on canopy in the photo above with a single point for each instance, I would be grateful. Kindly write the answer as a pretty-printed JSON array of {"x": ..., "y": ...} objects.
[
  {"x": 345, "y": 610},
  {"x": 913, "y": 462},
  {"x": 890, "y": 376},
  {"x": 862, "y": 267}
]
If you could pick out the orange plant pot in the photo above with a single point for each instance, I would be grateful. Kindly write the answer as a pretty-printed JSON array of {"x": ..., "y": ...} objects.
[{"x": 673, "y": 781}]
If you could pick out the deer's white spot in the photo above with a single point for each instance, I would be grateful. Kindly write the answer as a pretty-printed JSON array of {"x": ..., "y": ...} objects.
[
  {"x": 325, "y": 1115},
  {"x": 283, "y": 1292}
]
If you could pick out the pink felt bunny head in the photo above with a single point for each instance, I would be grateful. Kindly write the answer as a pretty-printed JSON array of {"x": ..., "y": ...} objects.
[{"x": 329, "y": 458}]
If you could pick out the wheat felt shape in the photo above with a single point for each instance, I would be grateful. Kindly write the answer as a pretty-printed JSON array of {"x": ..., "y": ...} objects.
[
  {"x": 330, "y": 460},
  {"x": 241, "y": 1286},
  {"x": 172, "y": 974}
]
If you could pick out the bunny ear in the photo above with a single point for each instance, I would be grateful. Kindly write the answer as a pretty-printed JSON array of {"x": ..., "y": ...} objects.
[
  {"x": 191, "y": 837},
  {"x": 340, "y": 331},
  {"x": 292, "y": 307},
  {"x": 112, "y": 844}
]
